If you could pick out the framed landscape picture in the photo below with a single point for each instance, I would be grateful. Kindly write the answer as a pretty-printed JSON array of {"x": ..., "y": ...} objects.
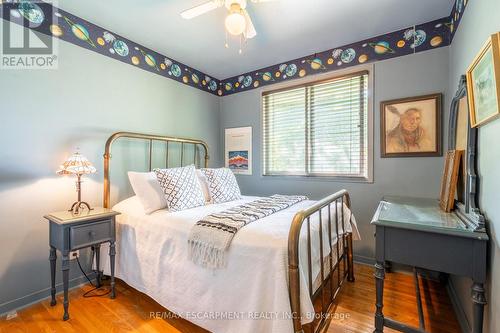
[
  {"x": 238, "y": 150},
  {"x": 483, "y": 83},
  {"x": 411, "y": 127}
]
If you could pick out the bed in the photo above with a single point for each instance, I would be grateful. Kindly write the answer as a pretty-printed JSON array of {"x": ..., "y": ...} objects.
[{"x": 283, "y": 272}]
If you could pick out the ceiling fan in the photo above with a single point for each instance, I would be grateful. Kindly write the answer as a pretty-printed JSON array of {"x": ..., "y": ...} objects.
[{"x": 237, "y": 22}]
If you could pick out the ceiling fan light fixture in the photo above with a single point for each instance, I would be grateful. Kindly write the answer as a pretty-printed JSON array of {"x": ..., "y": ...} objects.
[{"x": 235, "y": 22}]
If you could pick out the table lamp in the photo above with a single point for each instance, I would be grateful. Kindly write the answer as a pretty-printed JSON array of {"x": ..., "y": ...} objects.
[{"x": 78, "y": 165}]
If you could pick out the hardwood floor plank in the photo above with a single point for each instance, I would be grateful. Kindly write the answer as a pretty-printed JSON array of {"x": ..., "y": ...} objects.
[{"x": 131, "y": 310}]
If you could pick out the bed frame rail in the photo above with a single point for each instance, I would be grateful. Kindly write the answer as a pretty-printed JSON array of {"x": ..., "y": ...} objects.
[
  {"x": 343, "y": 253},
  {"x": 151, "y": 139}
]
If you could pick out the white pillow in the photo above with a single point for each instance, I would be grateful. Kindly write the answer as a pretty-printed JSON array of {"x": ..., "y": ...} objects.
[
  {"x": 222, "y": 185},
  {"x": 181, "y": 187},
  {"x": 148, "y": 190},
  {"x": 204, "y": 185}
]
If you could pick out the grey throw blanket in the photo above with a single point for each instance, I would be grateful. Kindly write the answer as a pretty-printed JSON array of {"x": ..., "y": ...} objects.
[{"x": 210, "y": 237}]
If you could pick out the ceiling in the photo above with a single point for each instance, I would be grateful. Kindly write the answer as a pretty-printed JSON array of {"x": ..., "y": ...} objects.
[{"x": 286, "y": 29}]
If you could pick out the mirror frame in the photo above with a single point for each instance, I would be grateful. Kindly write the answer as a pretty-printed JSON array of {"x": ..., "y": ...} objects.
[{"x": 468, "y": 211}]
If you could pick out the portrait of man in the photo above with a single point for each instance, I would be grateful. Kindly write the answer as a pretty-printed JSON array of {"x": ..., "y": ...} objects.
[{"x": 411, "y": 127}]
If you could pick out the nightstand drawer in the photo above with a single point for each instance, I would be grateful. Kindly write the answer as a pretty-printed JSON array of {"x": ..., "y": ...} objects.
[{"x": 88, "y": 234}]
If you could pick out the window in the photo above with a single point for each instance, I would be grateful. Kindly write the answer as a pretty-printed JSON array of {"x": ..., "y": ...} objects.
[{"x": 318, "y": 129}]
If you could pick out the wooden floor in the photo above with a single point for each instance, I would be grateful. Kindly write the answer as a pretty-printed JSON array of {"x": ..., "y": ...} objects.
[{"x": 131, "y": 310}]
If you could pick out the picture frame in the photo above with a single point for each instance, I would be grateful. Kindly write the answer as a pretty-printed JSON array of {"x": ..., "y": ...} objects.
[
  {"x": 411, "y": 127},
  {"x": 450, "y": 179},
  {"x": 238, "y": 150},
  {"x": 483, "y": 83}
]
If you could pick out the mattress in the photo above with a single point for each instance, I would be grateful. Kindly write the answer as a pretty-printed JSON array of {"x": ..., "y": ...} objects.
[{"x": 249, "y": 295}]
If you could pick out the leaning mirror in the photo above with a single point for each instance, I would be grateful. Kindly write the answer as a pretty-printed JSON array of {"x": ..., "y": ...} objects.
[{"x": 462, "y": 136}]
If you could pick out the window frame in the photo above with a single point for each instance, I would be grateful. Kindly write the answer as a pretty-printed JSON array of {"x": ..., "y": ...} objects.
[{"x": 318, "y": 79}]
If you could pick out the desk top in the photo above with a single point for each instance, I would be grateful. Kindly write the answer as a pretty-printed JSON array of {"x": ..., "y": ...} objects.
[{"x": 423, "y": 215}]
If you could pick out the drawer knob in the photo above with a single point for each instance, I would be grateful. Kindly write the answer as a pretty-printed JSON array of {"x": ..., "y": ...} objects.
[{"x": 91, "y": 234}]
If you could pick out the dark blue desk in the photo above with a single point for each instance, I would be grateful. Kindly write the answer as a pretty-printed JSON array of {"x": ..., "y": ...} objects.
[{"x": 417, "y": 233}]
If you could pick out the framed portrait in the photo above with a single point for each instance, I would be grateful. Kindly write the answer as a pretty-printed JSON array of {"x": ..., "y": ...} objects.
[
  {"x": 411, "y": 127},
  {"x": 483, "y": 83}
]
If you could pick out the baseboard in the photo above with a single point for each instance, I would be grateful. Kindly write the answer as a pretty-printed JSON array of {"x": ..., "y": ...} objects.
[
  {"x": 457, "y": 307},
  {"x": 363, "y": 260},
  {"x": 40, "y": 295}
]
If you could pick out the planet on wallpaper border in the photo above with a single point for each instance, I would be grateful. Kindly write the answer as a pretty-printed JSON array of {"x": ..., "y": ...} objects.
[
  {"x": 247, "y": 81},
  {"x": 363, "y": 58},
  {"x": 238, "y": 160},
  {"x": 348, "y": 55},
  {"x": 417, "y": 36},
  {"x": 420, "y": 37},
  {"x": 149, "y": 59},
  {"x": 316, "y": 63},
  {"x": 266, "y": 76},
  {"x": 79, "y": 31},
  {"x": 212, "y": 85},
  {"x": 31, "y": 11},
  {"x": 291, "y": 70},
  {"x": 176, "y": 70},
  {"x": 195, "y": 78},
  {"x": 436, "y": 41},
  {"x": 56, "y": 30},
  {"x": 121, "y": 48},
  {"x": 381, "y": 47}
]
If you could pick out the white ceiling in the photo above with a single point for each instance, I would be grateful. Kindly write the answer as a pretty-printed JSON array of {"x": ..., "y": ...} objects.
[{"x": 286, "y": 29}]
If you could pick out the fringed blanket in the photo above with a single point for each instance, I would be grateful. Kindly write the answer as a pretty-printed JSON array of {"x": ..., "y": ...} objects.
[{"x": 210, "y": 237}]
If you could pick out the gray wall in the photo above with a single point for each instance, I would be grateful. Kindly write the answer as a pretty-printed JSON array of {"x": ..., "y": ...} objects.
[
  {"x": 45, "y": 115},
  {"x": 418, "y": 74},
  {"x": 482, "y": 18}
]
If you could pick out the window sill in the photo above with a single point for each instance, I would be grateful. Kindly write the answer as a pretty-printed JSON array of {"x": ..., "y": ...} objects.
[{"x": 333, "y": 179}]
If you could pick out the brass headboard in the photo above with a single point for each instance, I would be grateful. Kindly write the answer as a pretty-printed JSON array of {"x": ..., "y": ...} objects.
[{"x": 151, "y": 139}]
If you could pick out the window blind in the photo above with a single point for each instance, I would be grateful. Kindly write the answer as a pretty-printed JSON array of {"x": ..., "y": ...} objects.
[{"x": 318, "y": 129}]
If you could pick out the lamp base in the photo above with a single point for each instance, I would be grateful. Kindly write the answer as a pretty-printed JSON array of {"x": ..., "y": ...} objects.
[{"x": 78, "y": 206}]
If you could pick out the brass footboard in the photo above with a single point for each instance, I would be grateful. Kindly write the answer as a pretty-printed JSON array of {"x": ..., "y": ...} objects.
[{"x": 343, "y": 253}]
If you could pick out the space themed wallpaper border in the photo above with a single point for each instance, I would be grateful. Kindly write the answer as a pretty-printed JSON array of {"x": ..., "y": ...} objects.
[
  {"x": 403, "y": 42},
  {"x": 418, "y": 38},
  {"x": 77, "y": 31},
  {"x": 456, "y": 16}
]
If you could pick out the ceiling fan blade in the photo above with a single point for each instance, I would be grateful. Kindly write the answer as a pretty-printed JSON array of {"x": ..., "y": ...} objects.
[
  {"x": 201, "y": 9},
  {"x": 250, "y": 31}
]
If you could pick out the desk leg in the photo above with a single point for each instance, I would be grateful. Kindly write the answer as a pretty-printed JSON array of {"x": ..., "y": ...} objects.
[
  {"x": 479, "y": 300},
  {"x": 112, "y": 253},
  {"x": 379, "y": 281},
  {"x": 53, "y": 259},
  {"x": 65, "y": 271},
  {"x": 97, "y": 249}
]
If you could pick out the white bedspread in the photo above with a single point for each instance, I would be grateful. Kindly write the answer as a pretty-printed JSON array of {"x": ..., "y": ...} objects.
[{"x": 250, "y": 295}]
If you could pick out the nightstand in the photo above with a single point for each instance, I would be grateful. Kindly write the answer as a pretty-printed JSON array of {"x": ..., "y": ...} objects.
[{"x": 69, "y": 232}]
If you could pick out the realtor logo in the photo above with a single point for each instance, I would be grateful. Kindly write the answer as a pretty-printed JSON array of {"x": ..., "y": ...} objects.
[{"x": 24, "y": 44}]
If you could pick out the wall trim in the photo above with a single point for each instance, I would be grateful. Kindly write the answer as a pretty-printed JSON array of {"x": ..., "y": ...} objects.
[
  {"x": 457, "y": 307},
  {"x": 363, "y": 260},
  {"x": 37, "y": 296}
]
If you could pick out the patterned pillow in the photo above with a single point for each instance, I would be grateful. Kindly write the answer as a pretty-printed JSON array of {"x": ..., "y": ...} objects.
[
  {"x": 222, "y": 185},
  {"x": 181, "y": 187}
]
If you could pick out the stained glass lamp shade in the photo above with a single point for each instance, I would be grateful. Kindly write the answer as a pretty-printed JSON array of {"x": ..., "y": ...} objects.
[{"x": 78, "y": 165}]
